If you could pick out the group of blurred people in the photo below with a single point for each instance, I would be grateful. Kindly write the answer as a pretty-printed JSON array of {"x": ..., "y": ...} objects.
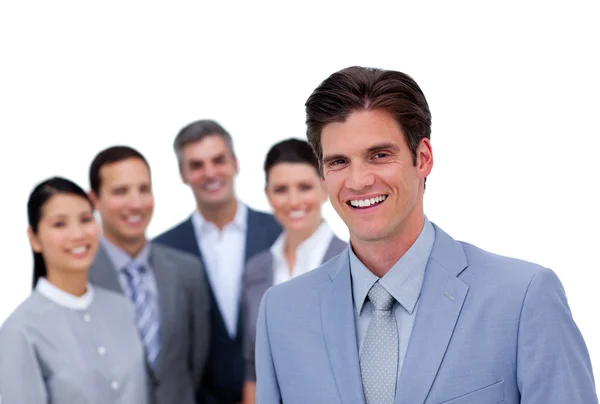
[
  {"x": 116, "y": 317},
  {"x": 234, "y": 306}
]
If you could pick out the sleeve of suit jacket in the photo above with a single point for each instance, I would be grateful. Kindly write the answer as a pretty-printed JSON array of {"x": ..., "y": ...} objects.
[
  {"x": 267, "y": 388},
  {"x": 553, "y": 364}
]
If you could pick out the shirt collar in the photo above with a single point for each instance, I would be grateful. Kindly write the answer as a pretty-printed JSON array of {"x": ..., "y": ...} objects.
[
  {"x": 63, "y": 298},
  {"x": 322, "y": 235},
  {"x": 278, "y": 246},
  {"x": 121, "y": 259},
  {"x": 239, "y": 222},
  {"x": 403, "y": 280}
]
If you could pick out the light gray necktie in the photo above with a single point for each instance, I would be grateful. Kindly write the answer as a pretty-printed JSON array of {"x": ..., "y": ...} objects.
[{"x": 379, "y": 356}]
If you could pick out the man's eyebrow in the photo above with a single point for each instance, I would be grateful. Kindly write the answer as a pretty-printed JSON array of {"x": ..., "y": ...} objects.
[{"x": 383, "y": 146}]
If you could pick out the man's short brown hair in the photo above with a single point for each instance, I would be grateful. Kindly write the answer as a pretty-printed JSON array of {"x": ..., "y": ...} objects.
[{"x": 359, "y": 88}]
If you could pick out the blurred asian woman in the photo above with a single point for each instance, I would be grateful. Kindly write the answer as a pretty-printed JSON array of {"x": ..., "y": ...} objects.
[{"x": 69, "y": 342}]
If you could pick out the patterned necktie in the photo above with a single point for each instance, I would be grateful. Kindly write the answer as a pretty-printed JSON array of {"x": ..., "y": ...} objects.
[
  {"x": 379, "y": 356},
  {"x": 146, "y": 311}
]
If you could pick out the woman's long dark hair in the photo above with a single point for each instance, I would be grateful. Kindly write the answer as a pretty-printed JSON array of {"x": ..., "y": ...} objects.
[{"x": 37, "y": 199}]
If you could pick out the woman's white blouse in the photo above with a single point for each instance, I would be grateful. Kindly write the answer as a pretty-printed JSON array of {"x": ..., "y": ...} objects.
[{"x": 309, "y": 254}]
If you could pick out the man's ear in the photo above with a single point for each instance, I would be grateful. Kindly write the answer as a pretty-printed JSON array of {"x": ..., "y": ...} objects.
[
  {"x": 324, "y": 190},
  {"x": 424, "y": 157},
  {"x": 183, "y": 180},
  {"x": 94, "y": 198}
]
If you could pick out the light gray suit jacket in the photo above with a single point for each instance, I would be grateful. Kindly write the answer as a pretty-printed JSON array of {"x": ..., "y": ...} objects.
[
  {"x": 258, "y": 277},
  {"x": 185, "y": 323},
  {"x": 489, "y": 330}
]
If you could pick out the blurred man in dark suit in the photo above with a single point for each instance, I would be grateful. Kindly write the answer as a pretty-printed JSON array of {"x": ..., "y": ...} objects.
[{"x": 224, "y": 233}]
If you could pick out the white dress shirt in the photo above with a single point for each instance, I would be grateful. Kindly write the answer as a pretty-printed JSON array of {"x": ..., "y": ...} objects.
[
  {"x": 309, "y": 254},
  {"x": 223, "y": 252}
]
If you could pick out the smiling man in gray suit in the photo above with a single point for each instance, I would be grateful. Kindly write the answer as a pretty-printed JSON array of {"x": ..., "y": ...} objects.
[
  {"x": 166, "y": 287},
  {"x": 408, "y": 315}
]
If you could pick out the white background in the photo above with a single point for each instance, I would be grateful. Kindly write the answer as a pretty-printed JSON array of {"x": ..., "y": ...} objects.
[{"x": 513, "y": 88}]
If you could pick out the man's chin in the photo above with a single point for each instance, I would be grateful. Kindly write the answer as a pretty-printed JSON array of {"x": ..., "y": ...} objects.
[
  {"x": 132, "y": 239},
  {"x": 369, "y": 235},
  {"x": 216, "y": 202}
]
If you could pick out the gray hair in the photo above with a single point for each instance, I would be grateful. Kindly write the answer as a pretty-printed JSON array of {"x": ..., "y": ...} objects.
[{"x": 196, "y": 131}]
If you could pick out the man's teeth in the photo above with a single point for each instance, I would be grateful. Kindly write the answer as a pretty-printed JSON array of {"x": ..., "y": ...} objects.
[
  {"x": 212, "y": 186},
  {"x": 360, "y": 203},
  {"x": 134, "y": 219},
  {"x": 296, "y": 214},
  {"x": 79, "y": 250}
]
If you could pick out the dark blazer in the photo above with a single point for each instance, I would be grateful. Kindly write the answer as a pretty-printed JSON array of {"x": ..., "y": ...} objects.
[
  {"x": 184, "y": 307},
  {"x": 225, "y": 373},
  {"x": 258, "y": 277}
]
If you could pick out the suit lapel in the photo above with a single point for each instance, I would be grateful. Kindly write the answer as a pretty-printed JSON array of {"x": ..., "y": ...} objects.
[
  {"x": 103, "y": 273},
  {"x": 269, "y": 276},
  {"x": 340, "y": 331},
  {"x": 254, "y": 237},
  {"x": 440, "y": 304},
  {"x": 264, "y": 279},
  {"x": 257, "y": 235},
  {"x": 336, "y": 246},
  {"x": 189, "y": 239},
  {"x": 163, "y": 273}
]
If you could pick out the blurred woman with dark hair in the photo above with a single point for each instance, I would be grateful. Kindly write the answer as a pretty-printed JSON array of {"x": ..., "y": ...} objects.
[
  {"x": 69, "y": 342},
  {"x": 296, "y": 194}
]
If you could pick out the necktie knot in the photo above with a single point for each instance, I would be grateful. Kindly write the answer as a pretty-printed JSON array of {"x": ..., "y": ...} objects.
[
  {"x": 134, "y": 269},
  {"x": 381, "y": 298}
]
